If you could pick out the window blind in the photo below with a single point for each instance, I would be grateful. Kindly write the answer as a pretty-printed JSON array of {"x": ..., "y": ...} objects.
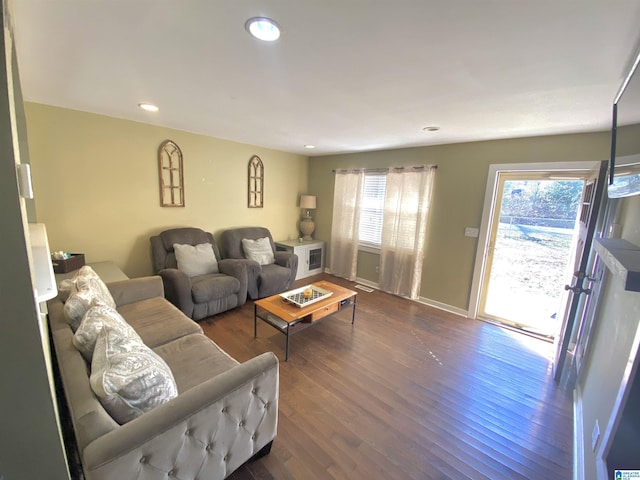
[{"x": 372, "y": 209}]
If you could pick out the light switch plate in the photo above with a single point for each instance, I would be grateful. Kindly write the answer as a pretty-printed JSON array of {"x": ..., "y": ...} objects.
[
  {"x": 24, "y": 174},
  {"x": 471, "y": 232}
]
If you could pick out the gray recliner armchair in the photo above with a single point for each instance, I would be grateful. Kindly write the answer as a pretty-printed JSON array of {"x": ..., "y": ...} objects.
[
  {"x": 204, "y": 295},
  {"x": 262, "y": 280}
]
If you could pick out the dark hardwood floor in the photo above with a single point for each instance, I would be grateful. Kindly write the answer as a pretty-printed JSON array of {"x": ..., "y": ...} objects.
[{"x": 409, "y": 391}]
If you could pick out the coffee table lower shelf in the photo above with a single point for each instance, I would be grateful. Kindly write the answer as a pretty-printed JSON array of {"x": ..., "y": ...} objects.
[{"x": 304, "y": 321}]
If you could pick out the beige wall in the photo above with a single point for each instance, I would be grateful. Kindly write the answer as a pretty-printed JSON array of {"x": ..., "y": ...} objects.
[
  {"x": 457, "y": 198},
  {"x": 96, "y": 185}
]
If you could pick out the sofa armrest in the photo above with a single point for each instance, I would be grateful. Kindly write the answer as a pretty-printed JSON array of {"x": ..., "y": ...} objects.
[
  {"x": 133, "y": 290},
  {"x": 206, "y": 432},
  {"x": 238, "y": 269},
  {"x": 177, "y": 289}
]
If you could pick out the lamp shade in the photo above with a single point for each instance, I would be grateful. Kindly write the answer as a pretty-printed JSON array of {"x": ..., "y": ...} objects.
[{"x": 308, "y": 201}]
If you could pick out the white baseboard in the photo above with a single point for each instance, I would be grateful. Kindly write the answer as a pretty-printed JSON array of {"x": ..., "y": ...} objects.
[
  {"x": 578, "y": 436},
  {"x": 423, "y": 300},
  {"x": 443, "y": 306}
]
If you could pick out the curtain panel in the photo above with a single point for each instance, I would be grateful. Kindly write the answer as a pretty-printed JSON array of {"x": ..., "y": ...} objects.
[
  {"x": 347, "y": 198},
  {"x": 404, "y": 228}
]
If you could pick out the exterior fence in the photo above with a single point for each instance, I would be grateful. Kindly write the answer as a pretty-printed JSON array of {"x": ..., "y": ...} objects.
[{"x": 567, "y": 223}]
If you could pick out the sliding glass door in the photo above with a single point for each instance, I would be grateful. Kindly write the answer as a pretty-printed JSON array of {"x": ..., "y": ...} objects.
[{"x": 532, "y": 239}]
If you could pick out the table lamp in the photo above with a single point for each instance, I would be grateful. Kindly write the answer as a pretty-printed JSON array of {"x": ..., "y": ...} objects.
[{"x": 307, "y": 226}]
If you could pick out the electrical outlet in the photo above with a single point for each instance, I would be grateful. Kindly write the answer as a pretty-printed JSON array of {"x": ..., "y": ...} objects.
[
  {"x": 471, "y": 232},
  {"x": 595, "y": 436}
]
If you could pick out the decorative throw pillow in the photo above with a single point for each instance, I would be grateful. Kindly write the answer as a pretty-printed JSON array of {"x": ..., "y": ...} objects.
[
  {"x": 196, "y": 260},
  {"x": 77, "y": 306},
  {"x": 88, "y": 290},
  {"x": 259, "y": 250},
  {"x": 88, "y": 279},
  {"x": 65, "y": 288},
  {"x": 128, "y": 377},
  {"x": 94, "y": 321}
]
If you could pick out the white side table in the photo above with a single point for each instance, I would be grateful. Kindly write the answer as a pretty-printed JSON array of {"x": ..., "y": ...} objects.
[{"x": 310, "y": 255}]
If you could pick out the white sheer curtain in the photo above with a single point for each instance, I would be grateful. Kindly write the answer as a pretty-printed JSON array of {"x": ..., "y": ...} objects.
[
  {"x": 407, "y": 201},
  {"x": 347, "y": 197}
]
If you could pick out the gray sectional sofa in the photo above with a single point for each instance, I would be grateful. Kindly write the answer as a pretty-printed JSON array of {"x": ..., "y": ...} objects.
[{"x": 224, "y": 413}]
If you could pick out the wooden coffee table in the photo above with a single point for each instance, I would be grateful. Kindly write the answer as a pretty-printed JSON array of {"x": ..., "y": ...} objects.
[{"x": 289, "y": 319}]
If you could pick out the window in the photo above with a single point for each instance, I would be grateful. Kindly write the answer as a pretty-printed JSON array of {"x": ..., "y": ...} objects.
[
  {"x": 385, "y": 214},
  {"x": 372, "y": 210}
]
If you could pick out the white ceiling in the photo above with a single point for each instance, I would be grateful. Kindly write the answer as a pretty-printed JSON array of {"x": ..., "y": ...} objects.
[{"x": 346, "y": 75}]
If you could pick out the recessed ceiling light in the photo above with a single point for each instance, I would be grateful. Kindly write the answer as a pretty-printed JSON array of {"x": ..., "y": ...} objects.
[
  {"x": 263, "y": 28},
  {"x": 309, "y": 146},
  {"x": 148, "y": 107},
  {"x": 431, "y": 128}
]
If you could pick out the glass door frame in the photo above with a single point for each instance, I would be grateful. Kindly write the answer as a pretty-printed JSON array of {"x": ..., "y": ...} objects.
[
  {"x": 503, "y": 178},
  {"x": 488, "y": 212}
]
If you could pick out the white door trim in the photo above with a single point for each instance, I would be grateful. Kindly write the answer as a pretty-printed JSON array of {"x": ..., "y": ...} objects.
[{"x": 487, "y": 212}]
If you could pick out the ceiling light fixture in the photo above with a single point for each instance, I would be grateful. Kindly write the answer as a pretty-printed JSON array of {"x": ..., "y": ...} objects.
[
  {"x": 309, "y": 146},
  {"x": 148, "y": 107},
  {"x": 263, "y": 28},
  {"x": 431, "y": 128}
]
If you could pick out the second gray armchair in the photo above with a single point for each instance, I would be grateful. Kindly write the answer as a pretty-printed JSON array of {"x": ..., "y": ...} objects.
[
  {"x": 268, "y": 271},
  {"x": 196, "y": 279}
]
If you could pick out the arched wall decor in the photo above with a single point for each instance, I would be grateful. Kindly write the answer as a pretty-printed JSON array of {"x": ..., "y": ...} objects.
[
  {"x": 256, "y": 182},
  {"x": 171, "y": 175}
]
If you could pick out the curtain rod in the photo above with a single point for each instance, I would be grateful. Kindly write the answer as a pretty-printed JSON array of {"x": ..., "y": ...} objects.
[{"x": 380, "y": 170}]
